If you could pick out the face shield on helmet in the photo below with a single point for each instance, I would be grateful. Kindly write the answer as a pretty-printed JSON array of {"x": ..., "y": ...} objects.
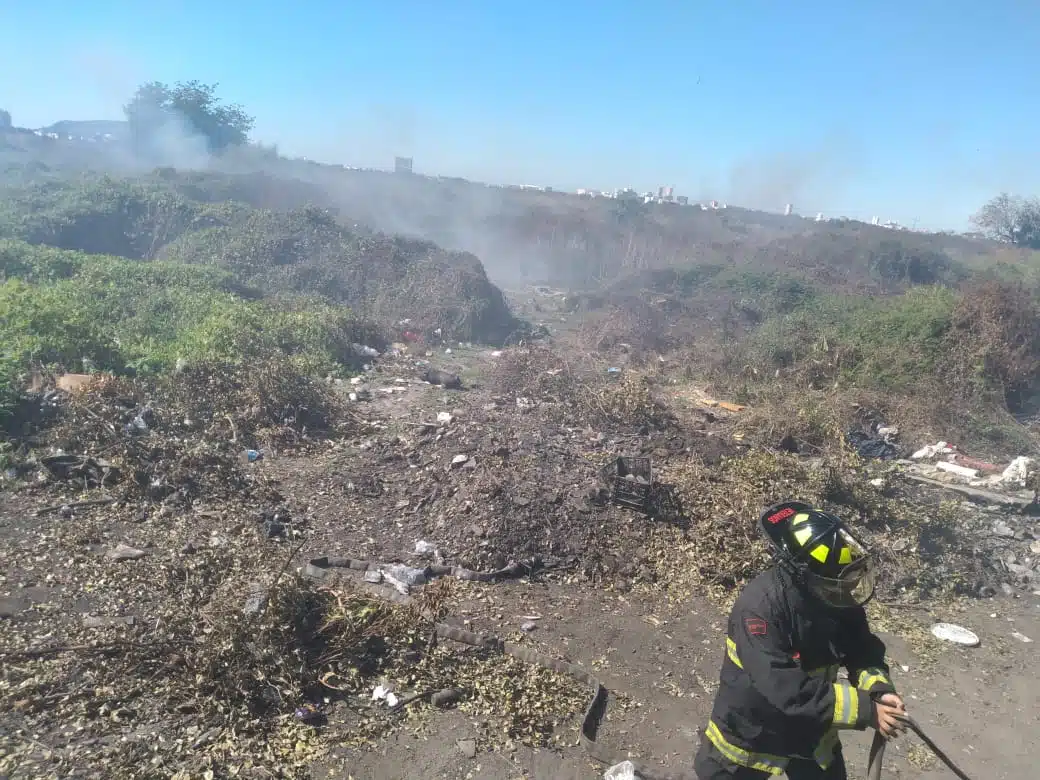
[
  {"x": 853, "y": 587},
  {"x": 852, "y": 584}
]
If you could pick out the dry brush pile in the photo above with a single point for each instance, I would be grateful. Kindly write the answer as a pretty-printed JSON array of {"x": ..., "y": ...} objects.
[
  {"x": 155, "y": 624},
  {"x": 928, "y": 548}
]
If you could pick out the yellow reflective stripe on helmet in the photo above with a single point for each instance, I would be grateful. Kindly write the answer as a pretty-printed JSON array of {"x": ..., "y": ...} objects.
[
  {"x": 800, "y": 518},
  {"x": 820, "y": 552},
  {"x": 763, "y": 762},
  {"x": 846, "y": 705},
  {"x": 827, "y": 749},
  {"x": 803, "y": 535},
  {"x": 731, "y": 651},
  {"x": 870, "y": 677},
  {"x": 845, "y": 556}
]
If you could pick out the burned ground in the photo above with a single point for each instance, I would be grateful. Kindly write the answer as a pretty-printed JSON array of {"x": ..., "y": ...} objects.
[{"x": 179, "y": 603}]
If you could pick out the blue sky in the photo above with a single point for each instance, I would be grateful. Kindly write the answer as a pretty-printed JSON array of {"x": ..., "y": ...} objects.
[{"x": 915, "y": 110}]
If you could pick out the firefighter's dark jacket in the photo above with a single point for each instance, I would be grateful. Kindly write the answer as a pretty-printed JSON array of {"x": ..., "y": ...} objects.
[{"x": 779, "y": 694}]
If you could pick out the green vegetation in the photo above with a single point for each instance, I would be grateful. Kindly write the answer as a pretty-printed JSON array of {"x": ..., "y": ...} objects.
[
  {"x": 58, "y": 307},
  {"x": 136, "y": 275}
]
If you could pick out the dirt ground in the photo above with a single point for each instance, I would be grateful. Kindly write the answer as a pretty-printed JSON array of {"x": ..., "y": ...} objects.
[
  {"x": 978, "y": 704},
  {"x": 523, "y": 486}
]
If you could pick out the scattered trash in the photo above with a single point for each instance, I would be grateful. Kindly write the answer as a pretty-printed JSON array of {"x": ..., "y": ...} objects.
[
  {"x": 365, "y": 351},
  {"x": 877, "y": 447},
  {"x": 458, "y": 460},
  {"x": 729, "y": 407},
  {"x": 373, "y": 576},
  {"x": 256, "y": 599},
  {"x": 445, "y": 379},
  {"x": 528, "y": 626},
  {"x": 308, "y": 713},
  {"x": 951, "y": 632},
  {"x": 960, "y": 471},
  {"x": 626, "y": 770},
  {"x": 123, "y": 552},
  {"x": 467, "y": 747},
  {"x": 888, "y": 432},
  {"x": 972, "y": 463},
  {"x": 445, "y": 697},
  {"x": 404, "y": 578},
  {"x": 631, "y": 479},
  {"x": 1000, "y": 528},
  {"x": 90, "y": 621},
  {"x": 1017, "y": 472},
  {"x": 425, "y": 549},
  {"x": 444, "y": 418},
  {"x": 1021, "y": 637},
  {"x": 252, "y": 456},
  {"x": 932, "y": 450},
  {"x": 613, "y": 370},
  {"x": 385, "y": 694},
  {"x": 73, "y": 383}
]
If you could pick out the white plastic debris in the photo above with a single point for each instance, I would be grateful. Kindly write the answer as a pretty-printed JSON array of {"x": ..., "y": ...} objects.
[
  {"x": 960, "y": 471},
  {"x": 888, "y": 432},
  {"x": 459, "y": 460},
  {"x": 933, "y": 450},
  {"x": 124, "y": 552},
  {"x": 496, "y": 353},
  {"x": 444, "y": 418},
  {"x": 385, "y": 693},
  {"x": 404, "y": 578},
  {"x": 1017, "y": 471},
  {"x": 1021, "y": 637},
  {"x": 425, "y": 549},
  {"x": 950, "y": 632},
  {"x": 356, "y": 380},
  {"x": 626, "y": 770}
]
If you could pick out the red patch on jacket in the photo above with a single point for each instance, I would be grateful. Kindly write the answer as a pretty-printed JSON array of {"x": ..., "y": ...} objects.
[{"x": 755, "y": 626}]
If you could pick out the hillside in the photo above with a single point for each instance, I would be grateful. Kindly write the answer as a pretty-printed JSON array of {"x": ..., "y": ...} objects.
[
  {"x": 713, "y": 290},
  {"x": 303, "y": 251}
]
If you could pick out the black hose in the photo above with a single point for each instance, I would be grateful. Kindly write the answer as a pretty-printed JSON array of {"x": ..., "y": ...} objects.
[{"x": 877, "y": 751}]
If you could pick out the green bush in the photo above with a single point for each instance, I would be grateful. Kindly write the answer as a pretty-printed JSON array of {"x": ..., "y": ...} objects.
[
  {"x": 57, "y": 308},
  {"x": 883, "y": 343}
]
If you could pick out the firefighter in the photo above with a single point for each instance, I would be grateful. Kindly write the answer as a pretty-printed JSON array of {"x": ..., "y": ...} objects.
[{"x": 780, "y": 706}]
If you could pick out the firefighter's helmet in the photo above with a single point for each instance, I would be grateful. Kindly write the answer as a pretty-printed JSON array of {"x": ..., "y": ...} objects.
[{"x": 822, "y": 552}]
